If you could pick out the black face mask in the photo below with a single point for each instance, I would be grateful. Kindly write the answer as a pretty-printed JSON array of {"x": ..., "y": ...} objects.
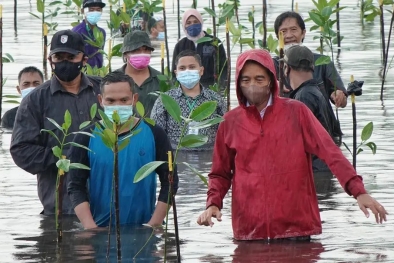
[{"x": 67, "y": 71}]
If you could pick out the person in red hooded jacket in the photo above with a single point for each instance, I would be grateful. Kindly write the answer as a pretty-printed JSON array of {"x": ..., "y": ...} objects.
[{"x": 264, "y": 153}]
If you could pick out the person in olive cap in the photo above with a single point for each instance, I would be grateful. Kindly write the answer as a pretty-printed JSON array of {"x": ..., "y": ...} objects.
[
  {"x": 137, "y": 50},
  {"x": 92, "y": 10},
  {"x": 68, "y": 89},
  {"x": 298, "y": 68}
]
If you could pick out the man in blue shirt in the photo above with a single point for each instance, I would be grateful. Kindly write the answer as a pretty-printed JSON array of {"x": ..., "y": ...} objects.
[
  {"x": 92, "y": 201},
  {"x": 92, "y": 9}
]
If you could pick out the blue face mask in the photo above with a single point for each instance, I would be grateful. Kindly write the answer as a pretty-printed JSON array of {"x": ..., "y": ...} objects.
[
  {"x": 26, "y": 91},
  {"x": 93, "y": 17},
  {"x": 188, "y": 78},
  {"x": 161, "y": 36},
  {"x": 124, "y": 111},
  {"x": 194, "y": 30}
]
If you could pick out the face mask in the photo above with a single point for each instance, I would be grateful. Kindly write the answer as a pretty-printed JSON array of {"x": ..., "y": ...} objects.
[
  {"x": 93, "y": 17},
  {"x": 124, "y": 111},
  {"x": 67, "y": 71},
  {"x": 188, "y": 78},
  {"x": 194, "y": 30},
  {"x": 161, "y": 35},
  {"x": 139, "y": 61},
  {"x": 255, "y": 95},
  {"x": 286, "y": 47},
  {"x": 26, "y": 91}
]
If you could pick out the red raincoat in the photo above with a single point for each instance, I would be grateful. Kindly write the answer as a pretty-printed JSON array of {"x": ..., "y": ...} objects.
[{"x": 268, "y": 164}]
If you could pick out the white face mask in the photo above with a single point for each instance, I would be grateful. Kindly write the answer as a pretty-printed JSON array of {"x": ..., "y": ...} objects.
[{"x": 26, "y": 91}]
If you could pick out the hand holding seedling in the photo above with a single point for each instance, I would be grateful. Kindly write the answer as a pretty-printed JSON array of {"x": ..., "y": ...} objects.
[
  {"x": 366, "y": 201},
  {"x": 339, "y": 98},
  {"x": 206, "y": 217}
]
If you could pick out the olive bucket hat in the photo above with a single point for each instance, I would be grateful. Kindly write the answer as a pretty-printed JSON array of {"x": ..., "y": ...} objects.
[{"x": 136, "y": 39}]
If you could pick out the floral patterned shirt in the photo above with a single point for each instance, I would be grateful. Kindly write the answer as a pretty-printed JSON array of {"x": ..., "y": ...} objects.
[{"x": 187, "y": 104}]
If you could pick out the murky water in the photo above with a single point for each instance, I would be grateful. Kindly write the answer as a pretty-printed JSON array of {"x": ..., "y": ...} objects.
[{"x": 348, "y": 236}]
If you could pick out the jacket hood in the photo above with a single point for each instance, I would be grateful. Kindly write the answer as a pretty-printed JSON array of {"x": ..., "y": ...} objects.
[
  {"x": 263, "y": 58},
  {"x": 186, "y": 15}
]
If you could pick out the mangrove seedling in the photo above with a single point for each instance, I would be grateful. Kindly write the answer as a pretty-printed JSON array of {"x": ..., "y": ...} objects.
[
  {"x": 63, "y": 164},
  {"x": 201, "y": 116}
]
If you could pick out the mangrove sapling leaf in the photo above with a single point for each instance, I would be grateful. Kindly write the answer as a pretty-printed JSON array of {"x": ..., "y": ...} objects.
[
  {"x": 367, "y": 131},
  {"x": 198, "y": 173},
  {"x": 109, "y": 136},
  {"x": 116, "y": 118},
  {"x": 133, "y": 133},
  {"x": 78, "y": 166},
  {"x": 186, "y": 120},
  {"x": 323, "y": 60},
  {"x": 210, "y": 12},
  {"x": 105, "y": 119},
  {"x": 40, "y": 6},
  {"x": 57, "y": 151},
  {"x": 146, "y": 170},
  {"x": 372, "y": 146},
  {"x": 123, "y": 144},
  {"x": 84, "y": 133},
  {"x": 327, "y": 12},
  {"x": 56, "y": 125},
  {"x": 78, "y": 145},
  {"x": 316, "y": 18},
  {"x": 93, "y": 111},
  {"x": 11, "y": 96},
  {"x": 67, "y": 120},
  {"x": 193, "y": 140},
  {"x": 63, "y": 164},
  {"x": 359, "y": 150},
  {"x": 172, "y": 107},
  {"x": 203, "y": 40},
  {"x": 140, "y": 109},
  {"x": 52, "y": 134},
  {"x": 208, "y": 123},
  {"x": 203, "y": 111},
  {"x": 150, "y": 121},
  {"x": 12, "y": 101}
]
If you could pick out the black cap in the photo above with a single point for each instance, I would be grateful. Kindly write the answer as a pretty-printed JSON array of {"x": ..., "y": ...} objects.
[
  {"x": 88, "y": 3},
  {"x": 67, "y": 41}
]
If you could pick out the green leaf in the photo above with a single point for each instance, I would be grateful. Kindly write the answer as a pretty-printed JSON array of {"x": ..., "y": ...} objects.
[
  {"x": 315, "y": 27},
  {"x": 323, "y": 60},
  {"x": 204, "y": 39},
  {"x": 140, "y": 109},
  {"x": 63, "y": 164},
  {"x": 116, "y": 117},
  {"x": 133, "y": 133},
  {"x": 36, "y": 16},
  {"x": 193, "y": 140},
  {"x": 67, "y": 120},
  {"x": 372, "y": 146},
  {"x": 150, "y": 121},
  {"x": 110, "y": 136},
  {"x": 128, "y": 124},
  {"x": 93, "y": 111},
  {"x": 359, "y": 150},
  {"x": 333, "y": 3},
  {"x": 55, "y": 123},
  {"x": 146, "y": 170},
  {"x": 52, "y": 134},
  {"x": 12, "y": 96},
  {"x": 106, "y": 121},
  {"x": 40, "y": 6},
  {"x": 327, "y": 12},
  {"x": 316, "y": 18},
  {"x": 123, "y": 144},
  {"x": 79, "y": 166},
  {"x": 233, "y": 30},
  {"x": 208, "y": 123},
  {"x": 203, "y": 111},
  {"x": 210, "y": 12},
  {"x": 10, "y": 58},
  {"x": 84, "y": 125},
  {"x": 194, "y": 170},
  {"x": 172, "y": 107},
  {"x": 84, "y": 133},
  {"x": 12, "y": 101},
  {"x": 367, "y": 131},
  {"x": 57, "y": 151},
  {"x": 78, "y": 145}
]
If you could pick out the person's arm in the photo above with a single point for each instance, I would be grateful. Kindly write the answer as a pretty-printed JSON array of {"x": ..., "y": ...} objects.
[
  {"x": 332, "y": 80},
  {"x": 77, "y": 183},
  {"x": 318, "y": 142},
  {"x": 222, "y": 169},
  {"x": 159, "y": 114},
  {"x": 163, "y": 146},
  {"x": 27, "y": 149}
]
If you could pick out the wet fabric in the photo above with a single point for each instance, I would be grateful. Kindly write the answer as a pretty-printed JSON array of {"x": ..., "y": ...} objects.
[
  {"x": 136, "y": 200},
  {"x": 267, "y": 162},
  {"x": 187, "y": 105},
  {"x": 8, "y": 119},
  {"x": 151, "y": 84},
  {"x": 209, "y": 58},
  {"x": 31, "y": 149},
  {"x": 95, "y": 57}
]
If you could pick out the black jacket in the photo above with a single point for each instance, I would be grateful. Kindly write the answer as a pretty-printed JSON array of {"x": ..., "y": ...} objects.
[{"x": 207, "y": 51}]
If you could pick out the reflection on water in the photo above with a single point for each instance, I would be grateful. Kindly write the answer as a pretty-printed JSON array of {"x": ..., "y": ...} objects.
[{"x": 348, "y": 236}]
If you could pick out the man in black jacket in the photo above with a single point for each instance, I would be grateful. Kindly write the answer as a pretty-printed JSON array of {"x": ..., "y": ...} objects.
[{"x": 298, "y": 69}]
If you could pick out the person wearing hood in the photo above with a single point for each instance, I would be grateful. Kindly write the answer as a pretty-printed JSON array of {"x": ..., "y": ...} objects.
[
  {"x": 192, "y": 23},
  {"x": 264, "y": 154},
  {"x": 92, "y": 10},
  {"x": 28, "y": 78},
  {"x": 137, "y": 50}
]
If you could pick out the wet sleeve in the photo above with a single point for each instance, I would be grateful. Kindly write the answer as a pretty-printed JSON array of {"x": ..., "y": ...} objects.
[
  {"x": 222, "y": 170},
  {"x": 318, "y": 142},
  {"x": 333, "y": 79},
  {"x": 222, "y": 66},
  {"x": 27, "y": 150},
  {"x": 163, "y": 146},
  {"x": 77, "y": 178},
  {"x": 309, "y": 102},
  {"x": 159, "y": 114}
]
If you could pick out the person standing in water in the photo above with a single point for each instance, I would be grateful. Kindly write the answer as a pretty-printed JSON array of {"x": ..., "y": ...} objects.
[
  {"x": 192, "y": 23},
  {"x": 29, "y": 78},
  {"x": 92, "y": 10}
]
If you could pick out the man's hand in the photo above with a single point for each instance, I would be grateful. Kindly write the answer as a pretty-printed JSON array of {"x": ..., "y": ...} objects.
[
  {"x": 205, "y": 218},
  {"x": 339, "y": 98},
  {"x": 366, "y": 201}
]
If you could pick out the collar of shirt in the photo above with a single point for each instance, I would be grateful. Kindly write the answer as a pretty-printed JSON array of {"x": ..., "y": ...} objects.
[
  {"x": 262, "y": 112},
  {"x": 179, "y": 92},
  {"x": 57, "y": 86}
]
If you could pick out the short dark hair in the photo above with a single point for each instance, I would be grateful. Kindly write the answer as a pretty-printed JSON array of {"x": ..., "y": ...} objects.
[
  {"x": 30, "y": 69},
  {"x": 152, "y": 23},
  {"x": 289, "y": 14},
  {"x": 301, "y": 68},
  {"x": 117, "y": 77},
  {"x": 188, "y": 53}
]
